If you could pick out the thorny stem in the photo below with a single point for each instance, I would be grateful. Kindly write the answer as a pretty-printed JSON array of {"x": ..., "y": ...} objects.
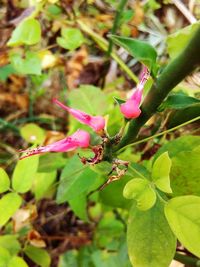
[
  {"x": 118, "y": 15},
  {"x": 172, "y": 75}
]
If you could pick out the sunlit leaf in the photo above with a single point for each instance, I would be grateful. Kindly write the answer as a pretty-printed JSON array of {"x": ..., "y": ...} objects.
[
  {"x": 180, "y": 144},
  {"x": 31, "y": 64},
  {"x": 4, "y": 181},
  {"x": 11, "y": 243},
  {"x": 4, "y": 257},
  {"x": 43, "y": 183},
  {"x": 17, "y": 262},
  {"x": 24, "y": 174},
  {"x": 141, "y": 191},
  {"x": 71, "y": 38},
  {"x": 38, "y": 255},
  {"x": 177, "y": 41},
  {"x": 89, "y": 99},
  {"x": 32, "y": 133},
  {"x": 27, "y": 32},
  {"x": 185, "y": 178},
  {"x": 160, "y": 172},
  {"x": 184, "y": 219},
  {"x": 9, "y": 204}
]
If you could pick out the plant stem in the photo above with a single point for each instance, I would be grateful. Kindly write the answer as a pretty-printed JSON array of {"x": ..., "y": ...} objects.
[
  {"x": 172, "y": 75},
  {"x": 8, "y": 125},
  {"x": 119, "y": 11},
  {"x": 187, "y": 260},
  {"x": 103, "y": 44},
  {"x": 159, "y": 134}
]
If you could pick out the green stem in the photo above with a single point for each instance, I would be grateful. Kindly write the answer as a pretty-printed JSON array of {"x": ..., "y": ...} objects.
[
  {"x": 103, "y": 44},
  {"x": 118, "y": 15},
  {"x": 189, "y": 261},
  {"x": 159, "y": 134},
  {"x": 172, "y": 75},
  {"x": 8, "y": 125}
]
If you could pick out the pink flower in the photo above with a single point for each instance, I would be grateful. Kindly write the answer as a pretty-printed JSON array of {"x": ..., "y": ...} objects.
[
  {"x": 79, "y": 139},
  {"x": 131, "y": 108},
  {"x": 97, "y": 123}
]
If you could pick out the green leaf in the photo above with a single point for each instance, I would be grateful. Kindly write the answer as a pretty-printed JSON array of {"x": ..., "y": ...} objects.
[
  {"x": 54, "y": 10},
  {"x": 185, "y": 178},
  {"x": 9, "y": 204},
  {"x": 4, "y": 257},
  {"x": 184, "y": 115},
  {"x": 141, "y": 50},
  {"x": 42, "y": 184},
  {"x": 4, "y": 181},
  {"x": 24, "y": 174},
  {"x": 75, "y": 179},
  {"x": 51, "y": 162},
  {"x": 183, "y": 143},
  {"x": 38, "y": 255},
  {"x": 151, "y": 242},
  {"x": 119, "y": 101},
  {"x": 68, "y": 259},
  {"x": 89, "y": 99},
  {"x": 184, "y": 220},
  {"x": 103, "y": 168},
  {"x": 71, "y": 38},
  {"x": 112, "y": 195},
  {"x": 108, "y": 230},
  {"x": 32, "y": 133},
  {"x": 127, "y": 15},
  {"x": 79, "y": 206},
  {"x": 10, "y": 243},
  {"x": 178, "y": 101},
  {"x": 141, "y": 191},
  {"x": 17, "y": 262},
  {"x": 180, "y": 39},
  {"x": 31, "y": 64},
  {"x": 160, "y": 172},
  {"x": 28, "y": 32},
  {"x": 6, "y": 71}
]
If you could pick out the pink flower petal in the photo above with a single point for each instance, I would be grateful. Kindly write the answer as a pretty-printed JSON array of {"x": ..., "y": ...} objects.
[
  {"x": 130, "y": 109},
  {"x": 79, "y": 139},
  {"x": 97, "y": 123},
  {"x": 82, "y": 138}
]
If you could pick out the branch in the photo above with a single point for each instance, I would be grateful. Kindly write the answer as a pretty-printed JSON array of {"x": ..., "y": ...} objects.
[
  {"x": 187, "y": 260},
  {"x": 172, "y": 75}
]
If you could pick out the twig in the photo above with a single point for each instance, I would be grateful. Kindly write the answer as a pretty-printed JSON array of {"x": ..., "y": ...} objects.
[
  {"x": 187, "y": 260},
  {"x": 159, "y": 134},
  {"x": 188, "y": 15}
]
